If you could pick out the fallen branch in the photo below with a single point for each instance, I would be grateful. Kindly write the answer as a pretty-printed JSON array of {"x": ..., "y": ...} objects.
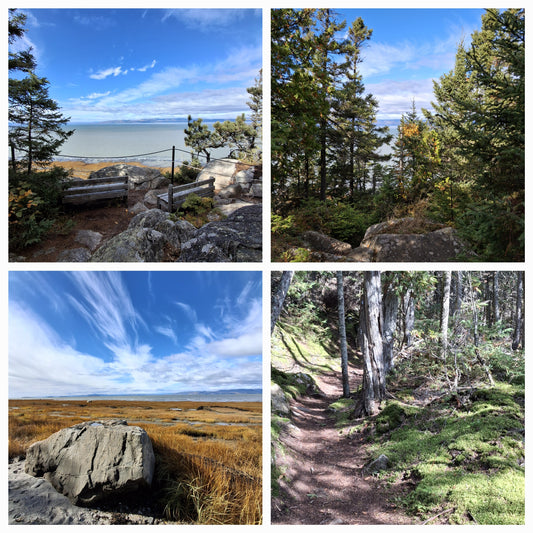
[{"x": 437, "y": 515}]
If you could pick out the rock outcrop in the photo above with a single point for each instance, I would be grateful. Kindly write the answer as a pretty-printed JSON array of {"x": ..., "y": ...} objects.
[
  {"x": 236, "y": 239},
  {"x": 147, "y": 238},
  {"x": 400, "y": 240},
  {"x": 409, "y": 240},
  {"x": 278, "y": 400},
  {"x": 140, "y": 178},
  {"x": 93, "y": 461},
  {"x": 223, "y": 170}
]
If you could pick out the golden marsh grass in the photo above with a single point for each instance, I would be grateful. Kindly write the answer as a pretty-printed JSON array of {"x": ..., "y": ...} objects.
[{"x": 208, "y": 455}]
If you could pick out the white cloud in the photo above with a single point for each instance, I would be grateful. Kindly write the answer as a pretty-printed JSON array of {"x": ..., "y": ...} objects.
[
  {"x": 44, "y": 363},
  {"x": 165, "y": 93},
  {"x": 206, "y": 19},
  {"x": 167, "y": 331},
  {"x": 188, "y": 310},
  {"x": 107, "y": 307},
  {"x": 395, "y": 97},
  {"x": 146, "y": 67},
  {"x": 105, "y": 73},
  {"x": 95, "y": 96}
]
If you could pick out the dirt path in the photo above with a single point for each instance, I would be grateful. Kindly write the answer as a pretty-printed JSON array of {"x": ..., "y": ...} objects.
[{"x": 323, "y": 481}]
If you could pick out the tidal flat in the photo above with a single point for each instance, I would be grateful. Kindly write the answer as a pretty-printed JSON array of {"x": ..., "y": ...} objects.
[{"x": 208, "y": 454}]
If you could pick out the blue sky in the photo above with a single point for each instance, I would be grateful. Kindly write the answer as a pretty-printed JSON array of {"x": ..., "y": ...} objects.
[
  {"x": 77, "y": 333},
  {"x": 127, "y": 64},
  {"x": 410, "y": 48}
]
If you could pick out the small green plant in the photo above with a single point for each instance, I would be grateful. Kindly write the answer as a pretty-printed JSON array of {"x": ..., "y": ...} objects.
[
  {"x": 195, "y": 210},
  {"x": 26, "y": 225}
]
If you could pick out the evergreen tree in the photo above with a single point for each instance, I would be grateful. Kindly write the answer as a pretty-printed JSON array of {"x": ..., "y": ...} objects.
[
  {"x": 36, "y": 124},
  {"x": 256, "y": 106},
  {"x": 479, "y": 113},
  {"x": 237, "y": 135},
  {"x": 200, "y": 138},
  {"x": 416, "y": 154}
]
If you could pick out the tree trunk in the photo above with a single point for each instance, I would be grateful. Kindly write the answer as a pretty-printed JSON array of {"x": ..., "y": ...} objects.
[
  {"x": 342, "y": 334},
  {"x": 390, "y": 314},
  {"x": 445, "y": 313},
  {"x": 408, "y": 317},
  {"x": 279, "y": 297},
  {"x": 323, "y": 140},
  {"x": 458, "y": 293},
  {"x": 495, "y": 297},
  {"x": 518, "y": 327},
  {"x": 374, "y": 371}
]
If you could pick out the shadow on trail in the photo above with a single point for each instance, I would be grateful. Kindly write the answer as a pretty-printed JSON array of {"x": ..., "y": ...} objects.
[{"x": 323, "y": 481}]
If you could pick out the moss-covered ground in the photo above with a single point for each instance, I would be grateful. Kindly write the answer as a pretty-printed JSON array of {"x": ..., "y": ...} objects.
[{"x": 465, "y": 458}]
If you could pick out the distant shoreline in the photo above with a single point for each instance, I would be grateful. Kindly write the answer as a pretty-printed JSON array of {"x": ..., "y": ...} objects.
[
  {"x": 81, "y": 169},
  {"x": 206, "y": 397}
]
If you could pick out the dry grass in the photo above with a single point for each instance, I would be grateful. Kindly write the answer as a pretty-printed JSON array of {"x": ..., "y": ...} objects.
[{"x": 208, "y": 455}]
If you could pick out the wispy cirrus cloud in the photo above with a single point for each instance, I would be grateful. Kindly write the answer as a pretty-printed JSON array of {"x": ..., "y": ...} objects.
[
  {"x": 220, "y": 354},
  {"x": 104, "y": 302},
  {"x": 95, "y": 22},
  {"x": 205, "y": 19}
]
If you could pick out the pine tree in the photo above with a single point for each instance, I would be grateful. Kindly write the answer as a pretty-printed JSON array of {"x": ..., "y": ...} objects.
[
  {"x": 479, "y": 115},
  {"x": 200, "y": 138}
]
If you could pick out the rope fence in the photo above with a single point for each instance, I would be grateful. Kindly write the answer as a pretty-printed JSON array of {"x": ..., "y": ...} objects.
[{"x": 173, "y": 160}]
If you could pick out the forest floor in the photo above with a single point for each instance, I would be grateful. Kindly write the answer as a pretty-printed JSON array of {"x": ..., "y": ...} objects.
[
  {"x": 453, "y": 458},
  {"x": 324, "y": 480}
]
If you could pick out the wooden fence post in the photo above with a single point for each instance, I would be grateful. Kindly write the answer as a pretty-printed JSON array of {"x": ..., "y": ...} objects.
[
  {"x": 173, "y": 157},
  {"x": 170, "y": 194}
]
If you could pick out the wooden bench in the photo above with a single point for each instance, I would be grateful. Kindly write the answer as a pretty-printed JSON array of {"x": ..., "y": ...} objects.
[
  {"x": 178, "y": 194},
  {"x": 92, "y": 190}
]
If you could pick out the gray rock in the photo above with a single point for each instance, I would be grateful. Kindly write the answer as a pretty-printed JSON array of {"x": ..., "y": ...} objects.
[
  {"x": 93, "y": 461},
  {"x": 222, "y": 170},
  {"x": 236, "y": 239},
  {"x": 139, "y": 207},
  {"x": 245, "y": 176},
  {"x": 74, "y": 255},
  {"x": 148, "y": 233},
  {"x": 231, "y": 191},
  {"x": 228, "y": 209},
  {"x": 278, "y": 400},
  {"x": 377, "y": 465},
  {"x": 360, "y": 254},
  {"x": 257, "y": 189},
  {"x": 323, "y": 243},
  {"x": 141, "y": 178},
  {"x": 435, "y": 246},
  {"x": 89, "y": 239},
  {"x": 132, "y": 246},
  {"x": 150, "y": 198}
]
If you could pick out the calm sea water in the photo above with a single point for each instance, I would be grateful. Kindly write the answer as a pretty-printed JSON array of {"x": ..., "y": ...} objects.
[
  {"x": 185, "y": 397},
  {"x": 92, "y": 143}
]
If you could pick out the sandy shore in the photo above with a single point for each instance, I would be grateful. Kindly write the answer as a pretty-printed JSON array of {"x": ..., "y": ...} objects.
[{"x": 80, "y": 169}]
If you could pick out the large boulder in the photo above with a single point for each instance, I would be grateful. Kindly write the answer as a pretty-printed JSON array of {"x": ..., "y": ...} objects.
[
  {"x": 149, "y": 236},
  {"x": 93, "y": 461},
  {"x": 323, "y": 243},
  {"x": 140, "y": 178},
  {"x": 278, "y": 399},
  {"x": 223, "y": 170},
  {"x": 409, "y": 240},
  {"x": 236, "y": 239}
]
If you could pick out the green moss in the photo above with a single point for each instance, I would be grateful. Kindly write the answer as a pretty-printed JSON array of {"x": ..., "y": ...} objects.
[
  {"x": 469, "y": 460},
  {"x": 394, "y": 414},
  {"x": 342, "y": 410},
  {"x": 292, "y": 384}
]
